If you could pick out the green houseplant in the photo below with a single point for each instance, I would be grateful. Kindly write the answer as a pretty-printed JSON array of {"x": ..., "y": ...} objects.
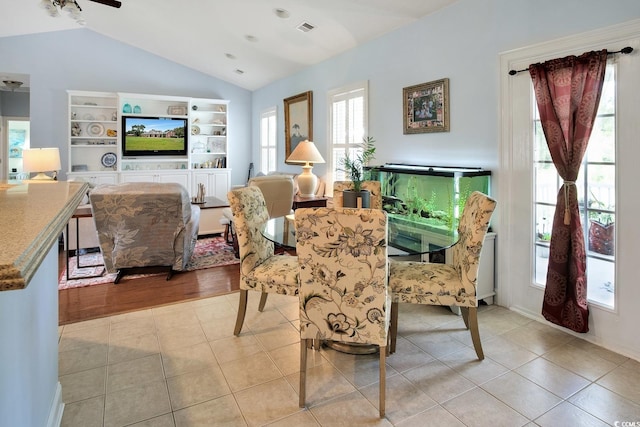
[{"x": 354, "y": 168}]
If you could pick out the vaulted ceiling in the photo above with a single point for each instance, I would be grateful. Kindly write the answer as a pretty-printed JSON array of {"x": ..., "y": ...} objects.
[{"x": 243, "y": 42}]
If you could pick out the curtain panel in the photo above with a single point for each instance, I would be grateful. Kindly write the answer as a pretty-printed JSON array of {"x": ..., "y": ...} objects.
[{"x": 568, "y": 94}]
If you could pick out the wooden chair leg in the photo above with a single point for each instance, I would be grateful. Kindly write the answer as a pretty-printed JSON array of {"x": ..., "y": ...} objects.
[
  {"x": 393, "y": 328},
  {"x": 383, "y": 381},
  {"x": 465, "y": 316},
  {"x": 303, "y": 372},
  {"x": 263, "y": 301},
  {"x": 242, "y": 310},
  {"x": 471, "y": 313}
]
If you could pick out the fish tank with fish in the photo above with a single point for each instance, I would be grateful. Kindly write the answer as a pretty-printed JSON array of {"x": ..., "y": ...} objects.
[{"x": 424, "y": 203}]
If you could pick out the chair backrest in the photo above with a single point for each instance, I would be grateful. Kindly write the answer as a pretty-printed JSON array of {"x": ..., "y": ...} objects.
[
  {"x": 372, "y": 186},
  {"x": 278, "y": 192},
  {"x": 472, "y": 229},
  {"x": 140, "y": 223},
  {"x": 344, "y": 294},
  {"x": 249, "y": 216}
]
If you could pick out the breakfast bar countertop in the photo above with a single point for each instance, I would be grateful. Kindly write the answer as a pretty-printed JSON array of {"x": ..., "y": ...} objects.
[{"x": 32, "y": 217}]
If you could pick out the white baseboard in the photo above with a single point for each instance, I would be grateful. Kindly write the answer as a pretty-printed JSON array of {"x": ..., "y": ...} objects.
[{"x": 57, "y": 408}]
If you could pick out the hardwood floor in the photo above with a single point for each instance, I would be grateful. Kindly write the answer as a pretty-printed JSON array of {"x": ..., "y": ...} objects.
[{"x": 92, "y": 302}]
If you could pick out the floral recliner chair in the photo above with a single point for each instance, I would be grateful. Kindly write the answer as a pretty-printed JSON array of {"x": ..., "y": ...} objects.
[
  {"x": 344, "y": 294},
  {"x": 144, "y": 224},
  {"x": 447, "y": 284}
]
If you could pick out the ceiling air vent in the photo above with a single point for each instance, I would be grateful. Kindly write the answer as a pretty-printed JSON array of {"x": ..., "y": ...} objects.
[
  {"x": 238, "y": 71},
  {"x": 305, "y": 27}
]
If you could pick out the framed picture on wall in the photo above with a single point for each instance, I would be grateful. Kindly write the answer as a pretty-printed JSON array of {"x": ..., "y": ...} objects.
[
  {"x": 298, "y": 121},
  {"x": 426, "y": 107}
]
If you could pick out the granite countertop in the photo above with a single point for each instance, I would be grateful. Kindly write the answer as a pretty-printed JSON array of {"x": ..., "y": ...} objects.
[{"x": 32, "y": 217}]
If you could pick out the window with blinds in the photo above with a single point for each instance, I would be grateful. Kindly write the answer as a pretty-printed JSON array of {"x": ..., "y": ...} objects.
[
  {"x": 348, "y": 117},
  {"x": 268, "y": 141}
]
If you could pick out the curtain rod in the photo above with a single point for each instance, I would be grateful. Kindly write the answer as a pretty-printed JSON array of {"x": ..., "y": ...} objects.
[{"x": 624, "y": 51}]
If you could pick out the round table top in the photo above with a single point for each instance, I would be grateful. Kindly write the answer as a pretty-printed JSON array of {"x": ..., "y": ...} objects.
[{"x": 403, "y": 241}]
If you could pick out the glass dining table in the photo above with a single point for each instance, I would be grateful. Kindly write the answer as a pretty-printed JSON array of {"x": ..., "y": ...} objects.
[
  {"x": 409, "y": 242},
  {"x": 404, "y": 240}
]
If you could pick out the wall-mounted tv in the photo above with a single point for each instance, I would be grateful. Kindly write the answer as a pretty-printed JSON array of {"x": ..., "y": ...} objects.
[{"x": 154, "y": 136}]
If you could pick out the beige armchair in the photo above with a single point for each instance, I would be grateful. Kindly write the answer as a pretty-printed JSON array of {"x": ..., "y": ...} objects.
[
  {"x": 145, "y": 224},
  {"x": 278, "y": 192}
]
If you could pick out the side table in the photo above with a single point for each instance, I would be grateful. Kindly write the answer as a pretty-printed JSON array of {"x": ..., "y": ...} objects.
[
  {"x": 210, "y": 215},
  {"x": 83, "y": 212},
  {"x": 309, "y": 202}
]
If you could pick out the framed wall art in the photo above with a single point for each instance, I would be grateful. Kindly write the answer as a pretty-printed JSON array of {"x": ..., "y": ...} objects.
[
  {"x": 298, "y": 121},
  {"x": 426, "y": 107}
]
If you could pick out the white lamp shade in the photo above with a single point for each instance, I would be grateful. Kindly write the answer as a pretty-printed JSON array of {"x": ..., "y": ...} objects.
[
  {"x": 41, "y": 160},
  {"x": 306, "y": 152}
]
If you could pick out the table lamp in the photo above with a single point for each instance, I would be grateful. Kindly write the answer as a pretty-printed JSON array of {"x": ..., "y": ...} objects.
[
  {"x": 41, "y": 160},
  {"x": 306, "y": 152}
]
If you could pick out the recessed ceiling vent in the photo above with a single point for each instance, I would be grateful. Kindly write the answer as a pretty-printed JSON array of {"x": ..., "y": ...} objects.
[
  {"x": 305, "y": 27},
  {"x": 238, "y": 71}
]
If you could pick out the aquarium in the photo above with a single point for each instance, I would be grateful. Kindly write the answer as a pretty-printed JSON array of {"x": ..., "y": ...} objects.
[{"x": 424, "y": 203}]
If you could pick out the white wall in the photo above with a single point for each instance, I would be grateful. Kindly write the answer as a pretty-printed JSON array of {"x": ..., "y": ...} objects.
[{"x": 84, "y": 60}]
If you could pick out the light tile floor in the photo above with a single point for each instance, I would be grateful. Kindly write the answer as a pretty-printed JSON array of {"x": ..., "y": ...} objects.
[{"x": 180, "y": 365}]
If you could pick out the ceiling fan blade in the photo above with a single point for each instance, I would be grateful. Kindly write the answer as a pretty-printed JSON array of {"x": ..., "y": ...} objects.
[{"x": 112, "y": 3}]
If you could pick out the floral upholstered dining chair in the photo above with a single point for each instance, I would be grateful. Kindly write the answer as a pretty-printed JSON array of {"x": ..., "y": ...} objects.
[
  {"x": 344, "y": 294},
  {"x": 260, "y": 269},
  {"x": 451, "y": 284},
  {"x": 374, "y": 187}
]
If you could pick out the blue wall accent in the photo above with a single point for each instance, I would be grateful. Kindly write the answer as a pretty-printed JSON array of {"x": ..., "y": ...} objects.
[
  {"x": 462, "y": 42},
  {"x": 84, "y": 60}
]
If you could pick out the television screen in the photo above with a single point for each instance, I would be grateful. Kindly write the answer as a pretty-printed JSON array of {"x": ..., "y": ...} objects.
[{"x": 151, "y": 136}]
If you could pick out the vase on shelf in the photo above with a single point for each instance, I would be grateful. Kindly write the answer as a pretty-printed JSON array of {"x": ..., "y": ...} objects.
[{"x": 126, "y": 108}]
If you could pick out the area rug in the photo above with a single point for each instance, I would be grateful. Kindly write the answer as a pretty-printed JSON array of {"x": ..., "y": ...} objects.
[{"x": 209, "y": 252}]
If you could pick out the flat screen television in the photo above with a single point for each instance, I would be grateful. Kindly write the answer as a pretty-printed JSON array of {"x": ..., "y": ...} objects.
[{"x": 154, "y": 136}]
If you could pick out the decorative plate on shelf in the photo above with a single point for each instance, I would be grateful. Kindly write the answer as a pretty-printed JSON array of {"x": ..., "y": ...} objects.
[
  {"x": 195, "y": 130},
  {"x": 109, "y": 160},
  {"x": 95, "y": 129}
]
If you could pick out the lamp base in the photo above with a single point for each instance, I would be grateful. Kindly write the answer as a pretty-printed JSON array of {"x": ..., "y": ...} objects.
[
  {"x": 307, "y": 182},
  {"x": 42, "y": 177}
]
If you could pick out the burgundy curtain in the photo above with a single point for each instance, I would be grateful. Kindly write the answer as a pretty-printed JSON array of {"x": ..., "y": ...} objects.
[{"x": 568, "y": 93}]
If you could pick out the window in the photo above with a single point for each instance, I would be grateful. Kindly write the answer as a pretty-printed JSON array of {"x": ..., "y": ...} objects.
[
  {"x": 268, "y": 140},
  {"x": 596, "y": 197},
  {"x": 348, "y": 115}
]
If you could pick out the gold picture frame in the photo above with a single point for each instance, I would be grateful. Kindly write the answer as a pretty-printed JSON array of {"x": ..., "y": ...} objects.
[
  {"x": 298, "y": 121},
  {"x": 426, "y": 107}
]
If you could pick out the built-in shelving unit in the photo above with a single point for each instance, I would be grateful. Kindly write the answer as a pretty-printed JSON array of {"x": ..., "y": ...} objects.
[{"x": 95, "y": 140}]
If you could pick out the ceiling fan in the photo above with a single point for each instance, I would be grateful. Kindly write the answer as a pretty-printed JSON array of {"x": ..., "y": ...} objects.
[{"x": 112, "y": 3}]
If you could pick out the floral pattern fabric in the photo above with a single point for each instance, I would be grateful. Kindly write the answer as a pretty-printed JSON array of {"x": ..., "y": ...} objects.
[
  {"x": 372, "y": 186},
  {"x": 260, "y": 269},
  {"x": 342, "y": 255},
  {"x": 447, "y": 284},
  {"x": 145, "y": 224}
]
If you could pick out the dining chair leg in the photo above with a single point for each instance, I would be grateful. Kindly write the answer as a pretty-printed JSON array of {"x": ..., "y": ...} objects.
[
  {"x": 263, "y": 301},
  {"x": 383, "y": 380},
  {"x": 393, "y": 327},
  {"x": 472, "y": 316},
  {"x": 303, "y": 372},
  {"x": 465, "y": 316},
  {"x": 242, "y": 310}
]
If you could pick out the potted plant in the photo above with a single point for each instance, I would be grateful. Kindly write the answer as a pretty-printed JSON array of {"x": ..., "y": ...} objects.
[{"x": 354, "y": 168}]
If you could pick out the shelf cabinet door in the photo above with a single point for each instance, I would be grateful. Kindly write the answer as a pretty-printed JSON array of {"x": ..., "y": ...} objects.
[
  {"x": 216, "y": 182},
  {"x": 94, "y": 178}
]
